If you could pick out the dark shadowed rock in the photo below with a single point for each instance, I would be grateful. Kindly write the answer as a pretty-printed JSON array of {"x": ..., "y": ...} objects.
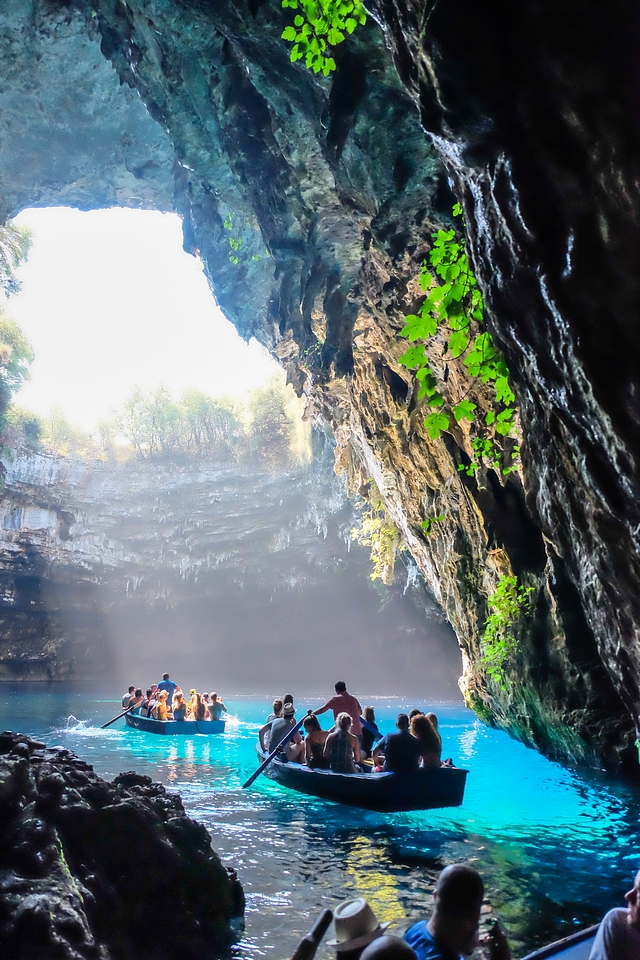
[{"x": 92, "y": 869}]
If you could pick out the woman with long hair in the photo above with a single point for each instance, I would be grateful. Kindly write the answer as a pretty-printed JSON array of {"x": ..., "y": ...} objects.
[
  {"x": 314, "y": 743},
  {"x": 342, "y": 747},
  {"x": 429, "y": 739}
]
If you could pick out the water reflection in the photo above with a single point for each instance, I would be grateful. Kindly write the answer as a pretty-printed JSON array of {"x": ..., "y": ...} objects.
[{"x": 540, "y": 834}]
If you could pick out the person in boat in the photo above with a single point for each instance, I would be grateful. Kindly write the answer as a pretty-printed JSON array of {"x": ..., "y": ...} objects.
[
  {"x": 277, "y": 709},
  {"x": 387, "y": 947},
  {"x": 618, "y": 937},
  {"x": 369, "y": 736},
  {"x": 343, "y": 702},
  {"x": 428, "y": 739},
  {"x": 143, "y": 709},
  {"x": 126, "y": 698},
  {"x": 179, "y": 706},
  {"x": 342, "y": 748},
  {"x": 356, "y": 926},
  {"x": 200, "y": 709},
  {"x": 217, "y": 707},
  {"x": 136, "y": 701},
  {"x": 293, "y": 751},
  {"x": 160, "y": 711},
  {"x": 169, "y": 685},
  {"x": 314, "y": 742},
  {"x": 401, "y": 751},
  {"x": 453, "y": 930}
]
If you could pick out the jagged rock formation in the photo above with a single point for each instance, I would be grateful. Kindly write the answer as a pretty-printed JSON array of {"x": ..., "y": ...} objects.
[
  {"x": 93, "y": 870},
  {"x": 334, "y": 188}
]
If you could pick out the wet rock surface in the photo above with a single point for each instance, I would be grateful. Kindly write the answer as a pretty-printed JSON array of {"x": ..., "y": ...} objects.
[
  {"x": 105, "y": 870},
  {"x": 334, "y": 189}
]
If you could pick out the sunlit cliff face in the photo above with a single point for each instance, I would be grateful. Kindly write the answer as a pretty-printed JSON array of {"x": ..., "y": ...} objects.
[{"x": 335, "y": 190}]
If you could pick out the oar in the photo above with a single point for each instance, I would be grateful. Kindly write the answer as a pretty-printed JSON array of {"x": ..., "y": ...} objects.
[
  {"x": 109, "y": 722},
  {"x": 376, "y": 733},
  {"x": 306, "y": 949},
  {"x": 288, "y": 735}
]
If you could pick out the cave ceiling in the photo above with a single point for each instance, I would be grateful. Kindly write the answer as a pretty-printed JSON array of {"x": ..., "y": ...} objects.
[{"x": 331, "y": 190}]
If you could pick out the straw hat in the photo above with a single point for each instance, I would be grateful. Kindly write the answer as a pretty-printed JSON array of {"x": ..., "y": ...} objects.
[
  {"x": 356, "y": 925},
  {"x": 288, "y": 710}
]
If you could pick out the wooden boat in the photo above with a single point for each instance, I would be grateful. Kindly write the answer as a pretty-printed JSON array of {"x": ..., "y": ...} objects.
[
  {"x": 576, "y": 947},
  {"x": 179, "y": 728},
  {"x": 385, "y": 792}
]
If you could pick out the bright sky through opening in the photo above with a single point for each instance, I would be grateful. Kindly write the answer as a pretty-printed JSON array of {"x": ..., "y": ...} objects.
[{"x": 111, "y": 302}]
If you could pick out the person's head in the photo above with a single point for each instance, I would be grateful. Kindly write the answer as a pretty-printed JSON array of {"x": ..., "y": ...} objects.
[
  {"x": 205, "y": 697},
  {"x": 277, "y": 706},
  {"x": 178, "y": 699},
  {"x": 415, "y": 713},
  {"x": 458, "y": 897},
  {"x": 344, "y": 721},
  {"x": 154, "y": 687},
  {"x": 132, "y": 689},
  {"x": 311, "y": 723},
  {"x": 369, "y": 714},
  {"x": 163, "y": 695},
  {"x": 422, "y": 730},
  {"x": 402, "y": 722},
  {"x": 387, "y": 947},
  {"x": 633, "y": 903},
  {"x": 149, "y": 692},
  {"x": 341, "y": 687},
  {"x": 288, "y": 698},
  {"x": 165, "y": 676},
  {"x": 214, "y": 696},
  {"x": 356, "y": 926},
  {"x": 192, "y": 692},
  {"x": 434, "y": 720},
  {"x": 288, "y": 710},
  {"x": 138, "y": 692}
]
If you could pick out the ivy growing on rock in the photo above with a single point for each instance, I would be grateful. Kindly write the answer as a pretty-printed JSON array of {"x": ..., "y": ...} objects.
[
  {"x": 454, "y": 306},
  {"x": 378, "y": 532},
  {"x": 506, "y": 605},
  {"x": 318, "y": 25}
]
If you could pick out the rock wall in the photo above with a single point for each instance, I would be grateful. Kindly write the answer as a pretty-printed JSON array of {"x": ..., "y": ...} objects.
[
  {"x": 334, "y": 189},
  {"x": 93, "y": 870}
]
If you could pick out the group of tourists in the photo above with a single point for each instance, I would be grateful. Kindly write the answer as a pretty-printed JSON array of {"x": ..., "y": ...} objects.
[
  {"x": 453, "y": 930},
  {"x": 354, "y": 743},
  {"x": 166, "y": 701}
]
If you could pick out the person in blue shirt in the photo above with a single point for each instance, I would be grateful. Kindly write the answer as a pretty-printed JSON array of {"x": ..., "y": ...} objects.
[
  {"x": 169, "y": 685},
  {"x": 452, "y": 931}
]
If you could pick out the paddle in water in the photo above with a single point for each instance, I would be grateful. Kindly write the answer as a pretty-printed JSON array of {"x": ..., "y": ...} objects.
[
  {"x": 113, "y": 720},
  {"x": 288, "y": 735}
]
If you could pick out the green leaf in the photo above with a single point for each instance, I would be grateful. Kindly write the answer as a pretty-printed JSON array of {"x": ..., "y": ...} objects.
[
  {"x": 435, "y": 423},
  {"x": 412, "y": 358},
  {"x": 464, "y": 410},
  {"x": 458, "y": 343},
  {"x": 289, "y": 33},
  {"x": 351, "y": 24},
  {"x": 490, "y": 417},
  {"x": 457, "y": 210}
]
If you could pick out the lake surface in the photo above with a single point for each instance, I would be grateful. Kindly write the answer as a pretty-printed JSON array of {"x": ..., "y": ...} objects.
[{"x": 556, "y": 849}]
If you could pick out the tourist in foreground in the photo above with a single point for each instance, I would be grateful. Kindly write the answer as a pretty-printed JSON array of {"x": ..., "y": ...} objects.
[
  {"x": 453, "y": 930},
  {"x": 619, "y": 935}
]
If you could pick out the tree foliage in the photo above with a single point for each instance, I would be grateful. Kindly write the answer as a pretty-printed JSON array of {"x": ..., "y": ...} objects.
[
  {"x": 15, "y": 242},
  {"x": 378, "y": 532},
  {"x": 16, "y": 354},
  {"x": 453, "y": 307}
]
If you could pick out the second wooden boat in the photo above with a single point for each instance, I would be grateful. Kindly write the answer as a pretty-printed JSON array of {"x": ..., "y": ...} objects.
[
  {"x": 175, "y": 728},
  {"x": 385, "y": 792}
]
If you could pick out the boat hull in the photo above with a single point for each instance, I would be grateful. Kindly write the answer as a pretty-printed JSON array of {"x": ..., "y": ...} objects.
[
  {"x": 384, "y": 792},
  {"x": 576, "y": 947},
  {"x": 175, "y": 728}
]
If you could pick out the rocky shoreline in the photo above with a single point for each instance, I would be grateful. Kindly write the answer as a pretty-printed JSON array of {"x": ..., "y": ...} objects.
[{"x": 106, "y": 870}]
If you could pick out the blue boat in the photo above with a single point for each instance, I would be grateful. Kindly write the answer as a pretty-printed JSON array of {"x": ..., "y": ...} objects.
[
  {"x": 175, "y": 728},
  {"x": 385, "y": 792},
  {"x": 576, "y": 947}
]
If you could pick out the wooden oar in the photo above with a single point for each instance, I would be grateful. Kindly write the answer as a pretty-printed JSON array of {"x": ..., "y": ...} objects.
[
  {"x": 109, "y": 722},
  {"x": 306, "y": 949},
  {"x": 376, "y": 733},
  {"x": 288, "y": 735}
]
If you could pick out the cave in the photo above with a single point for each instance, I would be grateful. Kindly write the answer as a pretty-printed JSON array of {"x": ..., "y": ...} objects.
[{"x": 335, "y": 186}]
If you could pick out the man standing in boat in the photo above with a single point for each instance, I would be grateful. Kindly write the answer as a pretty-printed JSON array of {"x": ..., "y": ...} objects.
[
  {"x": 169, "y": 685},
  {"x": 343, "y": 702}
]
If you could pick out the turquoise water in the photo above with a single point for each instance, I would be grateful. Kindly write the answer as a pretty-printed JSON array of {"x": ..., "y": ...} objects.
[{"x": 556, "y": 848}]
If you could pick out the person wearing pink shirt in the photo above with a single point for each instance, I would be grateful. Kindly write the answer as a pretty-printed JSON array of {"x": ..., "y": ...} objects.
[{"x": 343, "y": 702}]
